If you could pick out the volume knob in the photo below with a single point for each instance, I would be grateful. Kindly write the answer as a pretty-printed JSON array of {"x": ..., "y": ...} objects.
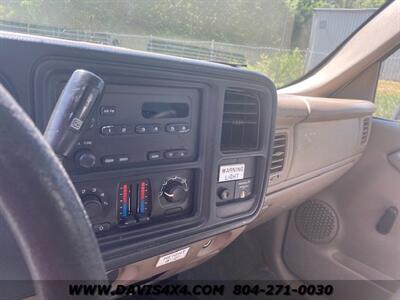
[{"x": 86, "y": 159}]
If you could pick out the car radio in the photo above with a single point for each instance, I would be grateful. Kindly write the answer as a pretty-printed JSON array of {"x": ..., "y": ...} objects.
[{"x": 138, "y": 126}]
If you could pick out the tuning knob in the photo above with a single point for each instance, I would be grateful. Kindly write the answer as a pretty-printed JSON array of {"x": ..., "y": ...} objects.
[
  {"x": 175, "y": 190},
  {"x": 86, "y": 159},
  {"x": 93, "y": 206}
]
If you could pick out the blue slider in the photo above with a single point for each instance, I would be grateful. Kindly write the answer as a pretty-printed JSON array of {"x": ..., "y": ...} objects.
[
  {"x": 125, "y": 210},
  {"x": 142, "y": 207}
]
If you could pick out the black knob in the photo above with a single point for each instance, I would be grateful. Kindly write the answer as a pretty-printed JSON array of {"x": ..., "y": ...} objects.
[
  {"x": 175, "y": 191},
  {"x": 93, "y": 206},
  {"x": 86, "y": 159}
]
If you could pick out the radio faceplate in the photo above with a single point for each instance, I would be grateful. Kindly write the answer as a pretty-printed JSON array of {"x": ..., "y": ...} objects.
[
  {"x": 139, "y": 126},
  {"x": 202, "y": 87}
]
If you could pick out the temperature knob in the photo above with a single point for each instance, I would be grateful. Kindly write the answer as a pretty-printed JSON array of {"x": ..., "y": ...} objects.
[{"x": 175, "y": 189}]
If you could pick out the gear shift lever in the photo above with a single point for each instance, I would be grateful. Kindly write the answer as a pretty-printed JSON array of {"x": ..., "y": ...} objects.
[{"x": 72, "y": 111}]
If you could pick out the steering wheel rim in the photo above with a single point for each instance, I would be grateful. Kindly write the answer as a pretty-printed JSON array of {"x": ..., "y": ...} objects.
[{"x": 42, "y": 207}]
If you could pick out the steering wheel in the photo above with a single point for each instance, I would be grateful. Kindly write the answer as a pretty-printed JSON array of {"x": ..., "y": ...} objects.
[{"x": 42, "y": 207}]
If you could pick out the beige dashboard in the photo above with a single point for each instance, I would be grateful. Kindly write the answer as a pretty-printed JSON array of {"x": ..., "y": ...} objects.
[{"x": 324, "y": 138}]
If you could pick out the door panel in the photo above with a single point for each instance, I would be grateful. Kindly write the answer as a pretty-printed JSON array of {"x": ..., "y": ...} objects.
[{"x": 333, "y": 235}]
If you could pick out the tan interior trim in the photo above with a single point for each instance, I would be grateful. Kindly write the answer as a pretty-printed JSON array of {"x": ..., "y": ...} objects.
[
  {"x": 323, "y": 142},
  {"x": 290, "y": 110},
  {"x": 310, "y": 175},
  {"x": 323, "y": 109},
  {"x": 363, "y": 86},
  {"x": 283, "y": 200},
  {"x": 293, "y": 109}
]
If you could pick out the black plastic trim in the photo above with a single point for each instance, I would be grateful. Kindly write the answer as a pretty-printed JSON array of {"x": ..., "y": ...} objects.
[{"x": 33, "y": 73}]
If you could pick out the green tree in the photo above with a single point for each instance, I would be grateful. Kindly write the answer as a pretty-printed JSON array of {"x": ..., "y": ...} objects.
[
  {"x": 234, "y": 21},
  {"x": 282, "y": 67},
  {"x": 253, "y": 22},
  {"x": 82, "y": 14}
]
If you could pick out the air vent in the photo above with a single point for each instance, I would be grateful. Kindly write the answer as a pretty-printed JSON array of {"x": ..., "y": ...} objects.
[
  {"x": 365, "y": 130},
  {"x": 240, "y": 127},
  {"x": 278, "y": 153}
]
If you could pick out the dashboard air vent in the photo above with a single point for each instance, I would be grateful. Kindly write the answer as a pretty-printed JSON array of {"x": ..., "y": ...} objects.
[
  {"x": 240, "y": 124},
  {"x": 278, "y": 153},
  {"x": 365, "y": 130}
]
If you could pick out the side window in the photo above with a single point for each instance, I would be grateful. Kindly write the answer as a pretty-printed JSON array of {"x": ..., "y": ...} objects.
[{"x": 387, "y": 98}]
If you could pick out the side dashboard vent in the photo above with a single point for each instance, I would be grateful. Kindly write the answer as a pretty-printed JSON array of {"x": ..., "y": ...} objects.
[
  {"x": 365, "y": 127},
  {"x": 240, "y": 123},
  {"x": 279, "y": 149}
]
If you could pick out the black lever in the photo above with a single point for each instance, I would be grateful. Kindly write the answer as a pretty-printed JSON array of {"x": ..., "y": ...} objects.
[{"x": 72, "y": 110}]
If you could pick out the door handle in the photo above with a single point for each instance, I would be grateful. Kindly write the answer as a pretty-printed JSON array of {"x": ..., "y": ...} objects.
[
  {"x": 386, "y": 222},
  {"x": 394, "y": 159}
]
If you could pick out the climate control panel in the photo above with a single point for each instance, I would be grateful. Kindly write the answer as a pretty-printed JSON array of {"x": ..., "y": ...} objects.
[{"x": 116, "y": 204}]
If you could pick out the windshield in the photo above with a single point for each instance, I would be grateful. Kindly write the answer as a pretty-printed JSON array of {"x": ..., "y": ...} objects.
[{"x": 281, "y": 38}]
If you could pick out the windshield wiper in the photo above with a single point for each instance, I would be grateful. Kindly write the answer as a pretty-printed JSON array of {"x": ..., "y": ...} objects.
[{"x": 232, "y": 64}]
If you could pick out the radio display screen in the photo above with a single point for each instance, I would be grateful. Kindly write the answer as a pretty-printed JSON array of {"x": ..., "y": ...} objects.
[{"x": 165, "y": 110}]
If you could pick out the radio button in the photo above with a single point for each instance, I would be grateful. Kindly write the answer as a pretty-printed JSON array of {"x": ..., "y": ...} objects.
[
  {"x": 108, "y": 110},
  {"x": 123, "y": 159},
  {"x": 171, "y": 128},
  {"x": 108, "y": 160},
  {"x": 155, "y": 128},
  {"x": 183, "y": 128},
  {"x": 123, "y": 129},
  {"x": 169, "y": 154},
  {"x": 115, "y": 130},
  {"x": 140, "y": 129},
  {"x": 178, "y": 128},
  {"x": 108, "y": 130},
  {"x": 151, "y": 128},
  {"x": 175, "y": 154},
  {"x": 154, "y": 155},
  {"x": 181, "y": 153}
]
